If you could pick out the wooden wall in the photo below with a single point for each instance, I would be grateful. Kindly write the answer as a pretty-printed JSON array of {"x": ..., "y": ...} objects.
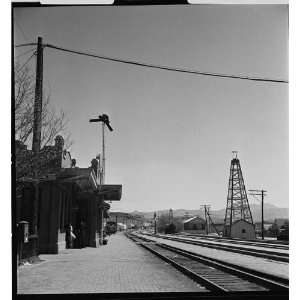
[
  {"x": 55, "y": 205},
  {"x": 60, "y": 205}
]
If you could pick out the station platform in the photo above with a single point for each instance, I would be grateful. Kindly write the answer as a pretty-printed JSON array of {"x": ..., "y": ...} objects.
[{"x": 121, "y": 266}]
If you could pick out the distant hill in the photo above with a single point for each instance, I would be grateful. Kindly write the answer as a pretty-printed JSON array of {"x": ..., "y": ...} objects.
[{"x": 271, "y": 212}]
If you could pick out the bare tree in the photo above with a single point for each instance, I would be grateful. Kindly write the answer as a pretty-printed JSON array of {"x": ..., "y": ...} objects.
[{"x": 53, "y": 123}]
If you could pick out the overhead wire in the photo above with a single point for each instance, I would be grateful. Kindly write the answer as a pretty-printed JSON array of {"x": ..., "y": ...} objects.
[
  {"x": 25, "y": 44},
  {"x": 255, "y": 197},
  {"x": 161, "y": 67}
]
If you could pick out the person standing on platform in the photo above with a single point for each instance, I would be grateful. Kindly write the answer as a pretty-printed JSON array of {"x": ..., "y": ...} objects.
[{"x": 70, "y": 236}]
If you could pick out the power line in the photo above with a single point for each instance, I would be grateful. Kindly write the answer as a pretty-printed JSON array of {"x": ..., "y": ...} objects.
[
  {"x": 262, "y": 194},
  {"x": 161, "y": 67},
  {"x": 255, "y": 197},
  {"x": 24, "y": 45},
  {"x": 164, "y": 67}
]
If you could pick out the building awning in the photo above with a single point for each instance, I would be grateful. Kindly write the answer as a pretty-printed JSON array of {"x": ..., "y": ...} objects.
[
  {"x": 85, "y": 178},
  {"x": 110, "y": 192}
]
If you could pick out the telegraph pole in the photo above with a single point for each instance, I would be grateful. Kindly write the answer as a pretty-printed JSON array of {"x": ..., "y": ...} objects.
[
  {"x": 206, "y": 209},
  {"x": 37, "y": 121},
  {"x": 154, "y": 216},
  {"x": 206, "y": 223},
  {"x": 37, "y": 128},
  {"x": 212, "y": 223},
  {"x": 262, "y": 194}
]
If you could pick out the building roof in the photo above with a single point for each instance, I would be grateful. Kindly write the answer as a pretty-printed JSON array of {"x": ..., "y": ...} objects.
[
  {"x": 81, "y": 176},
  {"x": 49, "y": 160},
  {"x": 84, "y": 177},
  {"x": 235, "y": 222},
  {"x": 193, "y": 218}
]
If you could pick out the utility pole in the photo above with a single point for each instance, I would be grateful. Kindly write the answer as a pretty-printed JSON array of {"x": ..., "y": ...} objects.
[
  {"x": 206, "y": 224},
  {"x": 262, "y": 194},
  {"x": 206, "y": 210},
  {"x": 38, "y": 101},
  {"x": 37, "y": 128},
  {"x": 212, "y": 223},
  {"x": 154, "y": 217},
  {"x": 262, "y": 214},
  {"x": 208, "y": 220}
]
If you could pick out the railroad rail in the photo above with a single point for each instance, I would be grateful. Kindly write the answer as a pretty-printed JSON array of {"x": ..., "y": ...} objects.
[
  {"x": 271, "y": 255},
  {"x": 258, "y": 243},
  {"x": 212, "y": 274}
]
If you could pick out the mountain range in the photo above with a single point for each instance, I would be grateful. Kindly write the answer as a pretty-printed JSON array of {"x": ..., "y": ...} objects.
[{"x": 271, "y": 212}]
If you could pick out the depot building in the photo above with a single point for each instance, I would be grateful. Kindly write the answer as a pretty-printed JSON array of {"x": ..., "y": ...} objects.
[{"x": 60, "y": 195}]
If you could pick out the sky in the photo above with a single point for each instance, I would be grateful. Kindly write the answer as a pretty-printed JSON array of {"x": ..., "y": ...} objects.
[{"x": 173, "y": 132}]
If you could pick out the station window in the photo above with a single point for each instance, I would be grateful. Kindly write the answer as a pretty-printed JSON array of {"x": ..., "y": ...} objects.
[{"x": 243, "y": 230}]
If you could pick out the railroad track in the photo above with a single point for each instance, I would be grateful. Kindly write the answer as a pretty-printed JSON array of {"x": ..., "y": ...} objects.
[
  {"x": 271, "y": 255},
  {"x": 212, "y": 274},
  {"x": 264, "y": 244}
]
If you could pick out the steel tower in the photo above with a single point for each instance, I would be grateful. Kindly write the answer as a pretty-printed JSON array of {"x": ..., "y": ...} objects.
[{"x": 237, "y": 202}]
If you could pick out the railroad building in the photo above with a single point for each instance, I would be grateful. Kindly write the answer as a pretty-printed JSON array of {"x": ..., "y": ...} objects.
[
  {"x": 195, "y": 225},
  {"x": 267, "y": 226},
  {"x": 55, "y": 194},
  {"x": 242, "y": 229},
  {"x": 279, "y": 222}
]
